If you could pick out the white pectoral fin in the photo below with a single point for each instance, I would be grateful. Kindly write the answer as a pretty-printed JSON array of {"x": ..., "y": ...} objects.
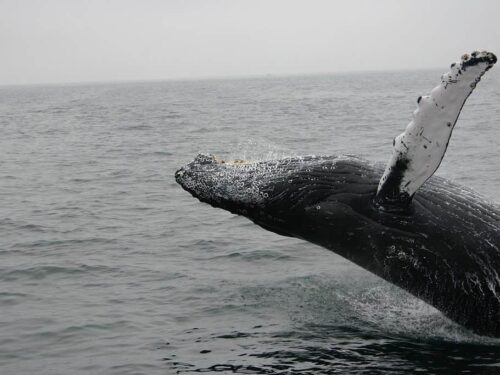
[{"x": 418, "y": 151}]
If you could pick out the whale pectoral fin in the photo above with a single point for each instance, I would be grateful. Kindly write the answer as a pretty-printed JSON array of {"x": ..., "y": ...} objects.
[{"x": 418, "y": 152}]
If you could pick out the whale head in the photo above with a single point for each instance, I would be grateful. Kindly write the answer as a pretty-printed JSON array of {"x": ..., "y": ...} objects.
[{"x": 278, "y": 194}]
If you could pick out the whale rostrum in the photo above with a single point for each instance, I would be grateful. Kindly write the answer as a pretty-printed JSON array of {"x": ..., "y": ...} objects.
[{"x": 434, "y": 238}]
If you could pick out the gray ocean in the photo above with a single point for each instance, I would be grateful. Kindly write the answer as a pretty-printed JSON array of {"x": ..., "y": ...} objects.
[{"x": 108, "y": 267}]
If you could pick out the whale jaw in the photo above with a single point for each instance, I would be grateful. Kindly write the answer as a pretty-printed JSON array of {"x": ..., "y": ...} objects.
[{"x": 278, "y": 194}]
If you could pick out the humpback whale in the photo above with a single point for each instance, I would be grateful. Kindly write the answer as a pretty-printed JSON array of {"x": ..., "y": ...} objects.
[{"x": 432, "y": 237}]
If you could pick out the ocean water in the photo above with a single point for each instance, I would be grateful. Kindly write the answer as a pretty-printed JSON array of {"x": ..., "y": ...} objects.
[{"x": 108, "y": 267}]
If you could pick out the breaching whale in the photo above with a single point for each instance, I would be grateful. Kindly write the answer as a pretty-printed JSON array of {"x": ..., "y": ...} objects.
[{"x": 434, "y": 238}]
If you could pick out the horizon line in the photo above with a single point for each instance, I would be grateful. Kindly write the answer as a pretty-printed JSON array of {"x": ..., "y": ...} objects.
[{"x": 211, "y": 77}]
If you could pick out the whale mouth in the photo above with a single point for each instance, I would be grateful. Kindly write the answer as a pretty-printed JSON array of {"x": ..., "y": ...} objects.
[{"x": 243, "y": 185}]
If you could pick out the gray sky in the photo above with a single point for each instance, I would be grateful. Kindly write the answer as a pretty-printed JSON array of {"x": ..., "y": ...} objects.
[{"x": 98, "y": 40}]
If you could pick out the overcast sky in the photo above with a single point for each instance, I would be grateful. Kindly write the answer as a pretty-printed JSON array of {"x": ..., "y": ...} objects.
[{"x": 98, "y": 40}]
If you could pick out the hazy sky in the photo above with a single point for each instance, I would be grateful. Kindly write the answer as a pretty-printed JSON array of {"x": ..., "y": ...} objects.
[{"x": 99, "y": 40}]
